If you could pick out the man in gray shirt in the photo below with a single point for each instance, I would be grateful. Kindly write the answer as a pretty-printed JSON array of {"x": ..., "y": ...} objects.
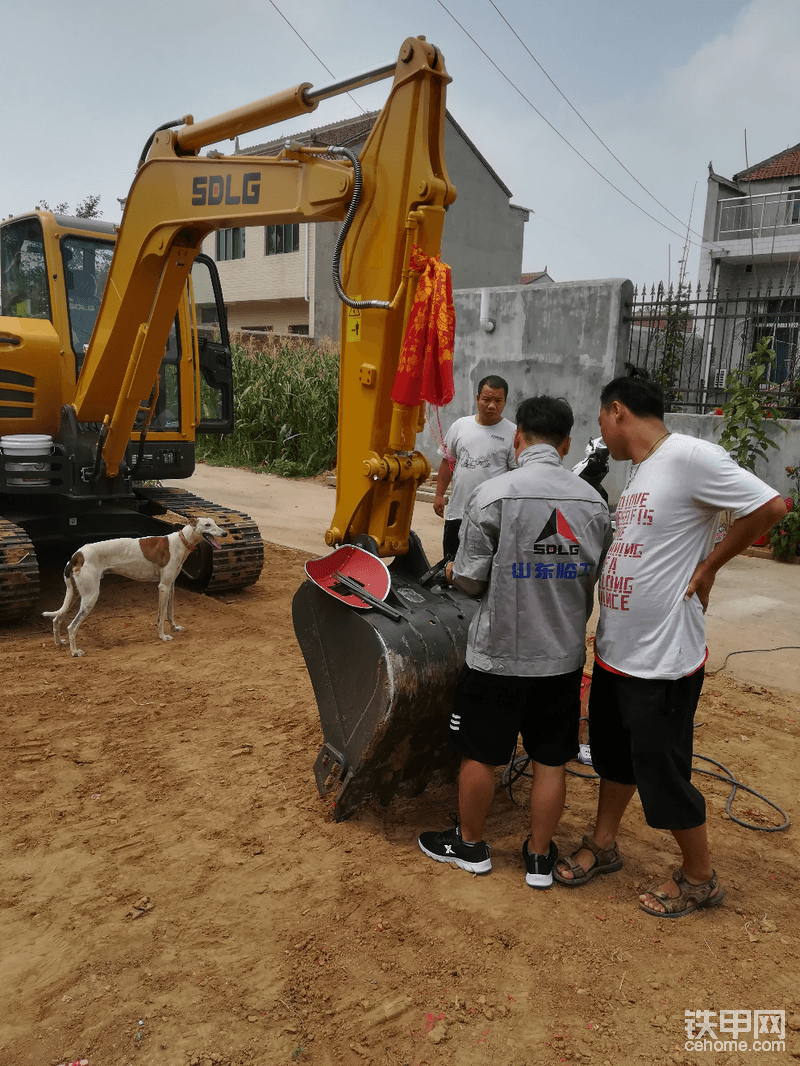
[
  {"x": 475, "y": 448},
  {"x": 532, "y": 542}
]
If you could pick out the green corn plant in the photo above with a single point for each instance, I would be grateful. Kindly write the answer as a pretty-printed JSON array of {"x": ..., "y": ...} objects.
[{"x": 285, "y": 412}]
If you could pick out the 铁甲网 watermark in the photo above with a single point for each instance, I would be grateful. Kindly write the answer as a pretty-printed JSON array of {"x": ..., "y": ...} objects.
[{"x": 735, "y": 1030}]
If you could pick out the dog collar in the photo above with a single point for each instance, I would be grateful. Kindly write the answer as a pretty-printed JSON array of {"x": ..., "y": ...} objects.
[{"x": 189, "y": 547}]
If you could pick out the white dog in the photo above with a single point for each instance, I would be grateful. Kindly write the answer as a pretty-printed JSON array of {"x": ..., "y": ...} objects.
[{"x": 149, "y": 559}]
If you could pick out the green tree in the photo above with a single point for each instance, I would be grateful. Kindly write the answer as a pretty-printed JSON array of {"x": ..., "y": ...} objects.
[{"x": 88, "y": 208}]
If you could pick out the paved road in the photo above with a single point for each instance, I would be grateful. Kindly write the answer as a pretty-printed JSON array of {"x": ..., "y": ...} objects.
[{"x": 755, "y": 603}]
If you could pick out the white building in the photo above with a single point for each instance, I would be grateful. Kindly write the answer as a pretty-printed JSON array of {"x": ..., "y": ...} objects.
[{"x": 751, "y": 234}]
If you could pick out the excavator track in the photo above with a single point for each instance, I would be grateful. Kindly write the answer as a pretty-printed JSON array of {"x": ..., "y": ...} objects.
[
  {"x": 239, "y": 559},
  {"x": 19, "y": 573}
]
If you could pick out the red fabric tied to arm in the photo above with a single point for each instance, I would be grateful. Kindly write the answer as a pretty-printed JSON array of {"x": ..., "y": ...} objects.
[{"x": 425, "y": 370}]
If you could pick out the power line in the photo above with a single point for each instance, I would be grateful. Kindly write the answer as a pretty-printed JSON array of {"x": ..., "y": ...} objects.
[
  {"x": 560, "y": 135},
  {"x": 588, "y": 126},
  {"x": 585, "y": 240},
  {"x": 314, "y": 54}
]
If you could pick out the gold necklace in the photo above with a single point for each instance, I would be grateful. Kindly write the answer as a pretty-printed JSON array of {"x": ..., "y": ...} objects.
[{"x": 635, "y": 468}]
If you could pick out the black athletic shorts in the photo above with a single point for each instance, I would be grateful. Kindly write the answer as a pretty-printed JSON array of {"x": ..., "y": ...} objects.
[
  {"x": 491, "y": 710},
  {"x": 641, "y": 733}
]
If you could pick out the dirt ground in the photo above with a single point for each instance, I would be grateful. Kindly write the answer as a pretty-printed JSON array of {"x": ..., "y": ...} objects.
[{"x": 173, "y": 890}]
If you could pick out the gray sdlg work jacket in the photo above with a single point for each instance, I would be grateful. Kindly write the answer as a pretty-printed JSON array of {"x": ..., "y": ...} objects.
[{"x": 538, "y": 535}]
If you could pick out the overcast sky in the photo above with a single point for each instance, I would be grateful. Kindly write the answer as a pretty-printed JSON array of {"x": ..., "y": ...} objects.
[{"x": 667, "y": 87}]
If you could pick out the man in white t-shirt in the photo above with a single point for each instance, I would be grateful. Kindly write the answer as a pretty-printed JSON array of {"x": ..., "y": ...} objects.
[
  {"x": 650, "y": 647},
  {"x": 479, "y": 446}
]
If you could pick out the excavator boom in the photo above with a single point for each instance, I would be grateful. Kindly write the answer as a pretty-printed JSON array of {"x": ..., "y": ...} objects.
[{"x": 178, "y": 198}]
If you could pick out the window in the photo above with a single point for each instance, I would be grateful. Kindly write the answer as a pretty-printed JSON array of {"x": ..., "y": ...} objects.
[
  {"x": 793, "y": 205},
  {"x": 280, "y": 239},
  {"x": 300, "y": 331},
  {"x": 167, "y": 410},
  {"x": 230, "y": 244},
  {"x": 780, "y": 319},
  {"x": 86, "y": 265},
  {"x": 25, "y": 292}
]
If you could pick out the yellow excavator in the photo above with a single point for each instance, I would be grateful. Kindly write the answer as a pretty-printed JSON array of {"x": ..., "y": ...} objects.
[
  {"x": 113, "y": 355},
  {"x": 59, "y": 484}
]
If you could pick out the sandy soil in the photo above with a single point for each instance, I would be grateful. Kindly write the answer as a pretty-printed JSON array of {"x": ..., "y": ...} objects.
[{"x": 174, "y": 892}]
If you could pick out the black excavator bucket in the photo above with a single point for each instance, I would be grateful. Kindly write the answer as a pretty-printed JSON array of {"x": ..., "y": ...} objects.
[{"x": 384, "y": 686}]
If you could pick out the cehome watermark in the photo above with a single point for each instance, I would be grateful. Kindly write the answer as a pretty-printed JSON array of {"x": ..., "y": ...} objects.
[{"x": 709, "y": 1030}]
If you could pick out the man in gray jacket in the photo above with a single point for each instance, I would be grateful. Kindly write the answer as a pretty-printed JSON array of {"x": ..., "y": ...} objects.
[{"x": 532, "y": 543}]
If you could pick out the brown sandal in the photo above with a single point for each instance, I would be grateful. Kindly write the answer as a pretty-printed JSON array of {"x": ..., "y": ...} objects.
[
  {"x": 606, "y": 861},
  {"x": 692, "y": 897}
]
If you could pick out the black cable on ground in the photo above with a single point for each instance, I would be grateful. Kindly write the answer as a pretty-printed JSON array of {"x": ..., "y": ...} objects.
[
  {"x": 750, "y": 651},
  {"x": 518, "y": 766},
  {"x": 736, "y": 785}
]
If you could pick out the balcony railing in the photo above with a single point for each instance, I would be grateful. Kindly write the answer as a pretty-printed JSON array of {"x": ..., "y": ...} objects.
[{"x": 765, "y": 215}]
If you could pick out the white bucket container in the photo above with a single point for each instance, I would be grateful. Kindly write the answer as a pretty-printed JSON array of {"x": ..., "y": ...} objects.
[{"x": 22, "y": 447}]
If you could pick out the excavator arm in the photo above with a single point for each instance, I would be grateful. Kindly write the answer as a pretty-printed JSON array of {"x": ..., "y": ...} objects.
[
  {"x": 178, "y": 198},
  {"x": 174, "y": 203}
]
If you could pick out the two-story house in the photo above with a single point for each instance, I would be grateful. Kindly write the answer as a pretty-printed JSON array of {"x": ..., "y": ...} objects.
[
  {"x": 278, "y": 278},
  {"x": 751, "y": 233},
  {"x": 749, "y": 263}
]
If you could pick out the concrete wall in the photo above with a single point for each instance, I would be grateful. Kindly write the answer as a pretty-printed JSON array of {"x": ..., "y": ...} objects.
[
  {"x": 276, "y": 316},
  {"x": 569, "y": 340},
  {"x": 565, "y": 339}
]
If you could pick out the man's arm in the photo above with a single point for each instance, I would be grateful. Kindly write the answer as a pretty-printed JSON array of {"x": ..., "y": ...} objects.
[
  {"x": 477, "y": 546},
  {"x": 443, "y": 479},
  {"x": 466, "y": 584},
  {"x": 511, "y": 457},
  {"x": 743, "y": 533}
]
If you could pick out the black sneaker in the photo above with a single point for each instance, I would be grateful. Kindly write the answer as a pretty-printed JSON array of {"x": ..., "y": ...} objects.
[
  {"x": 449, "y": 847},
  {"x": 540, "y": 867}
]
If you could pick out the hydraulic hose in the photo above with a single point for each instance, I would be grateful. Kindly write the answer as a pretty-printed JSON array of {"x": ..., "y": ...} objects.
[
  {"x": 337, "y": 252},
  {"x": 152, "y": 137}
]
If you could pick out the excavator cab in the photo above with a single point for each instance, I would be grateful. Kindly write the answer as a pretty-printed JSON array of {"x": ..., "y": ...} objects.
[{"x": 54, "y": 271}]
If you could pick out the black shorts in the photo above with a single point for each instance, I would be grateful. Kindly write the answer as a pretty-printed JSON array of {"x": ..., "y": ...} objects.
[
  {"x": 641, "y": 733},
  {"x": 491, "y": 710}
]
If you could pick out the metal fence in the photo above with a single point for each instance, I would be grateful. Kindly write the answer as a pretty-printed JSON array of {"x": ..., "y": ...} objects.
[{"x": 690, "y": 340}]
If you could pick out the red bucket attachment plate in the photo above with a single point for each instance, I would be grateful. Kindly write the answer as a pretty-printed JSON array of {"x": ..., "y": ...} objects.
[{"x": 356, "y": 563}]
